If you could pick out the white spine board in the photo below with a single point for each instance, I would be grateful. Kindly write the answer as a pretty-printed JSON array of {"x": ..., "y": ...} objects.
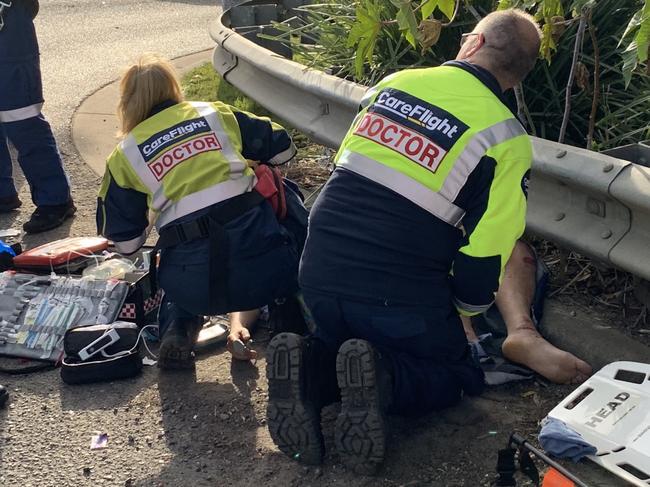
[{"x": 612, "y": 412}]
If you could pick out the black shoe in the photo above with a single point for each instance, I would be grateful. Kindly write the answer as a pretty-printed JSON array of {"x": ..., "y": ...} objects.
[
  {"x": 48, "y": 217},
  {"x": 4, "y": 396},
  {"x": 177, "y": 347},
  {"x": 9, "y": 203},
  {"x": 365, "y": 383},
  {"x": 293, "y": 414}
]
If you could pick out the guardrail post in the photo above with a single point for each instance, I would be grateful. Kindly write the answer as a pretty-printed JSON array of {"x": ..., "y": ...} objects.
[
  {"x": 250, "y": 20},
  {"x": 638, "y": 154}
]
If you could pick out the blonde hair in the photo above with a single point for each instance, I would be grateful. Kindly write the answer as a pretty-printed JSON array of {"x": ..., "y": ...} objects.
[{"x": 146, "y": 83}]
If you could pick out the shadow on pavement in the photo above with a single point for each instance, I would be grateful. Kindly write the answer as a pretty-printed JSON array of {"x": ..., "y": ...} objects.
[
  {"x": 209, "y": 427},
  {"x": 104, "y": 395}
]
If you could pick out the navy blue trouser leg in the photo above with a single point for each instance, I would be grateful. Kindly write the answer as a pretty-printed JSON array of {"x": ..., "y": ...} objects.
[
  {"x": 170, "y": 312},
  {"x": 39, "y": 159},
  {"x": 262, "y": 266},
  {"x": 426, "y": 347},
  {"x": 7, "y": 188}
]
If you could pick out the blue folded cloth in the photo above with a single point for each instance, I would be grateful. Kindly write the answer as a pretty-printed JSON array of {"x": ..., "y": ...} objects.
[{"x": 563, "y": 442}]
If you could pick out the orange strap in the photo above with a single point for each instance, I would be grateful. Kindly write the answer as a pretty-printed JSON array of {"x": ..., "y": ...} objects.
[{"x": 553, "y": 478}]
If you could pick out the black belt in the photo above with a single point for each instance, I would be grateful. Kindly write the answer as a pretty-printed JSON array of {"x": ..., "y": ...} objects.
[
  {"x": 210, "y": 225},
  {"x": 177, "y": 233}
]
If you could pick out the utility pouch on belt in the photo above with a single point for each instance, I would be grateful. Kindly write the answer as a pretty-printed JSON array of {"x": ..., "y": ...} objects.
[
  {"x": 97, "y": 353},
  {"x": 269, "y": 184}
]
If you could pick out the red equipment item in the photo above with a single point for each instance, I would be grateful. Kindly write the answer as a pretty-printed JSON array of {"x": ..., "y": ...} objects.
[{"x": 68, "y": 253}]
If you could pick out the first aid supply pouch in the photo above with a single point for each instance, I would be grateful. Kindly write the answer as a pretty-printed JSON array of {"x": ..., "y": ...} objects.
[{"x": 102, "y": 352}]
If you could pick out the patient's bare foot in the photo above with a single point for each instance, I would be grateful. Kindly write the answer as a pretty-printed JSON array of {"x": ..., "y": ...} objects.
[{"x": 527, "y": 347}]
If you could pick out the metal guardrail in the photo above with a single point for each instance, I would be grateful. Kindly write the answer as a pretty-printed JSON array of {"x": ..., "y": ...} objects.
[{"x": 592, "y": 203}]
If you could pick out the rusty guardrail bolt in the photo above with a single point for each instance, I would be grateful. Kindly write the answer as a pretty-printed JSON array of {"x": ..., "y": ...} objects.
[
  {"x": 608, "y": 167},
  {"x": 559, "y": 217},
  {"x": 560, "y": 154},
  {"x": 606, "y": 234}
]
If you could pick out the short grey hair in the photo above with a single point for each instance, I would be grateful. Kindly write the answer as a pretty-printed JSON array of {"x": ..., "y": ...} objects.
[{"x": 512, "y": 41}]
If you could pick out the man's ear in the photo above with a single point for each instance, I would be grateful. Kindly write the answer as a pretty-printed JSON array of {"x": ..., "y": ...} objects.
[{"x": 477, "y": 42}]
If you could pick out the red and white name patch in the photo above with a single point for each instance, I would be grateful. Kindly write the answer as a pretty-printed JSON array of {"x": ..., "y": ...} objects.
[
  {"x": 401, "y": 139},
  {"x": 171, "y": 158}
]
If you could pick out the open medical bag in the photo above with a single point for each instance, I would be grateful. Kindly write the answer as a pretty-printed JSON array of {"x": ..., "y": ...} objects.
[
  {"x": 36, "y": 311},
  {"x": 142, "y": 302},
  {"x": 104, "y": 352}
]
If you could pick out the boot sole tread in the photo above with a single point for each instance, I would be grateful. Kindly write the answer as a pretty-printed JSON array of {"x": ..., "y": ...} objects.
[
  {"x": 174, "y": 356},
  {"x": 360, "y": 433},
  {"x": 293, "y": 423}
]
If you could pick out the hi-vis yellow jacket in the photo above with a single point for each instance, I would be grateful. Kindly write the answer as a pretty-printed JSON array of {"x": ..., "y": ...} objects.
[
  {"x": 185, "y": 157},
  {"x": 421, "y": 133}
]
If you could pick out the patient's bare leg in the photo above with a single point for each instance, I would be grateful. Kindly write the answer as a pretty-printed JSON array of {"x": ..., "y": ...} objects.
[{"x": 524, "y": 344}]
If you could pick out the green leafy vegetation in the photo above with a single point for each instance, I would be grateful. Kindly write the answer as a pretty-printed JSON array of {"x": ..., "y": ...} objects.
[
  {"x": 365, "y": 40},
  {"x": 204, "y": 84}
]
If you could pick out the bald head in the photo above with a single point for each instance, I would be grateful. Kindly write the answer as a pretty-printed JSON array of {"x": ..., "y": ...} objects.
[{"x": 511, "y": 40}]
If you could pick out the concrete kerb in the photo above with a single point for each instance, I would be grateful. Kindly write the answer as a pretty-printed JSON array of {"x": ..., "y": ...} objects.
[
  {"x": 94, "y": 123},
  {"x": 94, "y": 126},
  {"x": 594, "y": 341}
]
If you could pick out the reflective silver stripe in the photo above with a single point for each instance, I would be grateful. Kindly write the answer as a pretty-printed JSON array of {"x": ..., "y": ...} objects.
[
  {"x": 474, "y": 151},
  {"x": 237, "y": 162},
  {"x": 471, "y": 308},
  {"x": 411, "y": 189},
  {"x": 129, "y": 246},
  {"x": 130, "y": 149},
  {"x": 19, "y": 114},
  {"x": 204, "y": 198},
  {"x": 284, "y": 156}
]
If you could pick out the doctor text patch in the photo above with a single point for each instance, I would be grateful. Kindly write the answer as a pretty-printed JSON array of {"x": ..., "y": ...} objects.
[
  {"x": 407, "y": 142},
  {"x": 171, "y": 158}
]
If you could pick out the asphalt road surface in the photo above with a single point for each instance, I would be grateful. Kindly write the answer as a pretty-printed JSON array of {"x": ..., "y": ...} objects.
[{"x": 84, "y": 45}]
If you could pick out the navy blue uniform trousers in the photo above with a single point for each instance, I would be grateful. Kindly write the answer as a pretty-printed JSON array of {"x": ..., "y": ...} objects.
[
  {"x": 263, "y": 256},
  {"x": 29, "y": 133},
  {"x": 38, "y": 158},
  {"x": 426, "y": 347}
]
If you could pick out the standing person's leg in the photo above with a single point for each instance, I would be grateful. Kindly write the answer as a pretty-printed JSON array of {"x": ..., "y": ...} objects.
[
  {"x": 38, "y": 154},
  {"x": 40, "y": 161},
  {"x": 8, "y": 195},
  {"x": 524, "y": 343}
]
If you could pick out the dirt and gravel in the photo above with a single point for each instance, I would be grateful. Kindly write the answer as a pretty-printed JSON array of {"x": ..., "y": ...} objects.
[{"x": 207, "y": 427}]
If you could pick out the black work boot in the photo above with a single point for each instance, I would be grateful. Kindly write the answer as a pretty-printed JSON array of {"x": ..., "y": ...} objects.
[
  {"x": 366, "y": 391},
  {"x": 177, "y": 345},
  {"x": 298, "y": 390},
  {"x": 9, "y": 203},
  {"x": 4, "y": 396},
  {"x": 48, "y": 217}
]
